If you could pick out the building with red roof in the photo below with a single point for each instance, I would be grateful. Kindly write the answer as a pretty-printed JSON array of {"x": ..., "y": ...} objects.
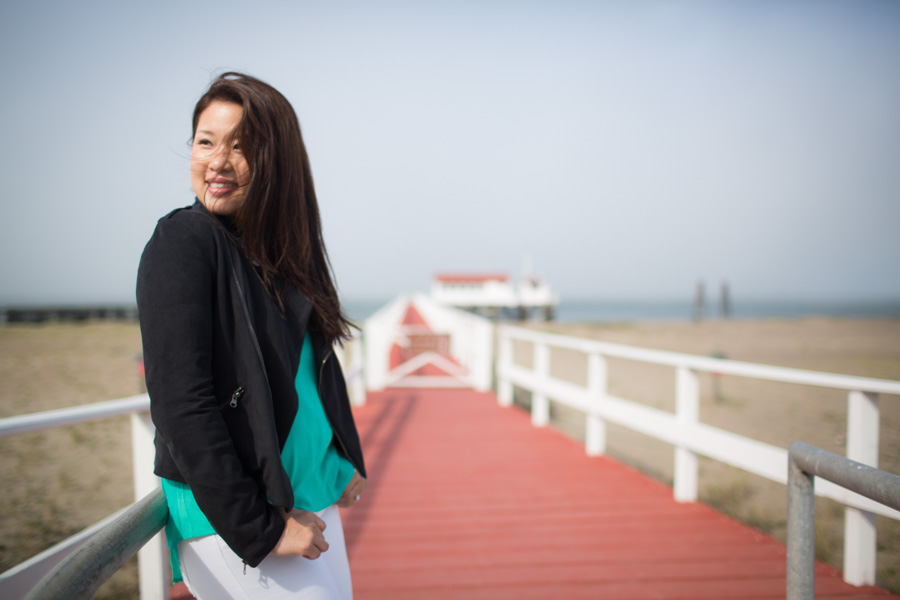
[{"x": 494, "y": 295}]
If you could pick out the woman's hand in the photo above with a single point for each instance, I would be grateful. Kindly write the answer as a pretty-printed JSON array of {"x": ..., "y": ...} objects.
[
  {"x": 353, "y": 491},
  {"x": 303, "y": 534}
]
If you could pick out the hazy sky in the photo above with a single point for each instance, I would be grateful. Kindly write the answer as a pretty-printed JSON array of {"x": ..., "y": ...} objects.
[{"x": 630, "y": 148}]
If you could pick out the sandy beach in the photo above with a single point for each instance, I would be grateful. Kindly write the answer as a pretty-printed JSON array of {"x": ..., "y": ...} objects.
[{"x": 59, "y": 481}]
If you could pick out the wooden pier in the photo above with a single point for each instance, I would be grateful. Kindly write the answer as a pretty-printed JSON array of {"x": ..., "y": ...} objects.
[{"x": 468, "y": 500}]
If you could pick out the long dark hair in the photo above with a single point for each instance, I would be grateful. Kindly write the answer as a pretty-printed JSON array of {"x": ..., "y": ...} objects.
[{"x": 279, "y": 218}]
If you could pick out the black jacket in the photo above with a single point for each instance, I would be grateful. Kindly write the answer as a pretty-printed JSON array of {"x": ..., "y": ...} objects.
[{"x": 220, "y": 363}]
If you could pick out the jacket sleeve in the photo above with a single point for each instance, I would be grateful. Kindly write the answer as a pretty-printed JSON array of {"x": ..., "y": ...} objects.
[{"x": 176, "y": 294}]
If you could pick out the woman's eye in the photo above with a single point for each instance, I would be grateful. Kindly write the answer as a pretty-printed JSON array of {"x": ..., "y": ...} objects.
[{"x": 203, "y": 142}]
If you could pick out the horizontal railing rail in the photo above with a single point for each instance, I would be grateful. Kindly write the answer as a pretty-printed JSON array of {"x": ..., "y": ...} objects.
[
  {"x": 706, "y": 364},
  {"x": 72, "y": 415},
  {"x": 805, "y": 462},
  {"x": 86, "y": 569},
  {"x": 683, "y": 428}
]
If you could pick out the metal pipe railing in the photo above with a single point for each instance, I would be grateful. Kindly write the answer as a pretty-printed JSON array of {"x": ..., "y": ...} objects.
[
  {"x": 804, "y": 463},
  {"x": 86, "y": 569}
]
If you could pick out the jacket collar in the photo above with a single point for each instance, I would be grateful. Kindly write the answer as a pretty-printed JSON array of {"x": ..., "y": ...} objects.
[{"x": 227, "y": 223}]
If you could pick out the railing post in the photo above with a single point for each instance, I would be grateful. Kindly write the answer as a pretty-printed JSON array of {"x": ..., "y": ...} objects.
[
  {"x": 687, "y": 411},
  {"x": 358, "y": 385},
  {"x": 801, "y": 534},
  {"x": 504, "y": 362},
  {"x": 595, "y": 427},
  {"x": 540, "y": 404},
  {"x": 153, "y": 558},
  {"x": 860, "y": 536},
  {"x": 482, "y": 336}
]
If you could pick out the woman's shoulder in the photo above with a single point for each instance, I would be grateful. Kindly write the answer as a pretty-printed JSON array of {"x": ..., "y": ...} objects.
[
  {"x": 188, "y": 225},
  {"x": 184, "y": 234},
  {"x": 192, "y": 217}
]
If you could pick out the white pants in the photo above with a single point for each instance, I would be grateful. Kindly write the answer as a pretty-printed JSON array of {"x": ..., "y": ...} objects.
[{"x": 212, "y": 571}]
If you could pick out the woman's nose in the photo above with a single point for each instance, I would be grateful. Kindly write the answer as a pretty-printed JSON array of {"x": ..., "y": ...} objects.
[{"x": 220, "y": 161}]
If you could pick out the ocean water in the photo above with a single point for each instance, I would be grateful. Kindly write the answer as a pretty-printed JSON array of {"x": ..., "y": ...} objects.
[
  {"x": 612, "y": 311},
  {"x": 358, "y": 309},
  {"x": 662, "y": 310}
]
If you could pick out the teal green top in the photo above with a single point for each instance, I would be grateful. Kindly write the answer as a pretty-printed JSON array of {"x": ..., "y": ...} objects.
[{"x": 318, "y": 472}]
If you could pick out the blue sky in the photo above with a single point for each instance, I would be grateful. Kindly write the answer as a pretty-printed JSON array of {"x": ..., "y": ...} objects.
[{"x": 629, "y": 148}]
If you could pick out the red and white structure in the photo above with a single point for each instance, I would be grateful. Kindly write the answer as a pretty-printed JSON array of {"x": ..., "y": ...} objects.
[{"x": 416, "y": 342}]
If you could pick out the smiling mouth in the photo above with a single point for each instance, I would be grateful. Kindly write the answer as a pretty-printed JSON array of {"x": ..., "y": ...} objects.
[{"x": 221, "y": 186}]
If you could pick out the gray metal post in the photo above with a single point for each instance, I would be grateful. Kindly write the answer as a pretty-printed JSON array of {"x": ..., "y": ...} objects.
[
  {"x": 801, "y": 534},
  {"x": 804, "y": 463}
]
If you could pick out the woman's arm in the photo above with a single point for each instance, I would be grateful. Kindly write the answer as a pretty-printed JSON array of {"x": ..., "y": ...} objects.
[{"x": 177, "y": 284}]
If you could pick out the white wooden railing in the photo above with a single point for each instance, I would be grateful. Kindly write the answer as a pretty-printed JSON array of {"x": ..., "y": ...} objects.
[
  {"x": 471, "y": 343},
  {"x": 688, "y": 435},
  {"x": 153, "y": 565}
]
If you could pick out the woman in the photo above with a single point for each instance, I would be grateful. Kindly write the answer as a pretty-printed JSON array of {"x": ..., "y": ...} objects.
[{"x": 256, "y": 445}]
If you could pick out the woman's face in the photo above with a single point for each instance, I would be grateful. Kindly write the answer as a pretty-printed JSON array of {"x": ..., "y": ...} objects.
[{"x": 219, "y": 172}]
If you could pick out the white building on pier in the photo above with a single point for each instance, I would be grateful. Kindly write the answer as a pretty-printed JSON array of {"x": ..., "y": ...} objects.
[{"x": 494, "y": 295}]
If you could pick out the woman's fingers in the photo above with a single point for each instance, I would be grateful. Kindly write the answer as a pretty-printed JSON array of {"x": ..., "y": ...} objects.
[
  {"x": 353, "y": 491},
  {"x": 318, "y": 546},
  {"x": 320, "y": 523},
  {"x": 303, "y": 534}
]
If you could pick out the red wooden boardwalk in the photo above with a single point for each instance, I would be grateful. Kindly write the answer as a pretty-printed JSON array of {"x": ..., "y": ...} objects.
[{"x": 468, "y": 500}]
